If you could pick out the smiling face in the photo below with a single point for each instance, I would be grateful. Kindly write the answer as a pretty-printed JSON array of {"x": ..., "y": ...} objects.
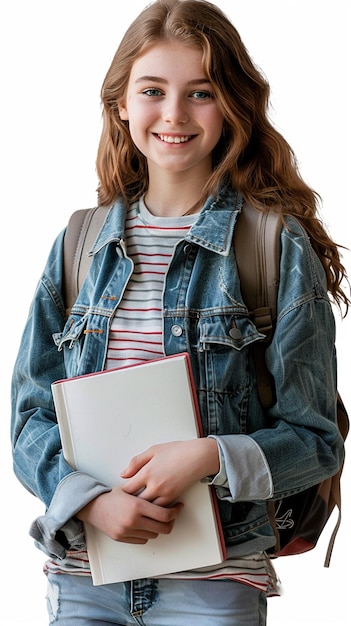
[{"x": 173, "y": 116}]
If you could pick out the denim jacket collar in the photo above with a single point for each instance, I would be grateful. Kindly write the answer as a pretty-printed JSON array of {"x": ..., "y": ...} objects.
[{"x": 212, "y": 230}]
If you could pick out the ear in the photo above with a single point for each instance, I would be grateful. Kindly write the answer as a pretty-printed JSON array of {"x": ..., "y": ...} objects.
[{"x": 122, "y": 110}]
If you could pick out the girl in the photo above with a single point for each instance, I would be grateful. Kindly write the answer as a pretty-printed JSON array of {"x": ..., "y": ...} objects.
[{"x": 186, "y": 140}]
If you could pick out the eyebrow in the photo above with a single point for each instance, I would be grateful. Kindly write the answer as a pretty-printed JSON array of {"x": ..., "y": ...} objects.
[{"x": 159, "y": 79}]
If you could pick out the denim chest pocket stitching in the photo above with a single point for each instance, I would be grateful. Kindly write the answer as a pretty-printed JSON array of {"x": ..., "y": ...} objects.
[{"x": 237, "y": 334}]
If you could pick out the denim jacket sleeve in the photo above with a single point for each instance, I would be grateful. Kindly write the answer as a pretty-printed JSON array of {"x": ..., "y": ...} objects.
[
  {"x": 303, "y": 445},
  {"x": 37, "y": 455},
  {"x": 302, "y": 360}
]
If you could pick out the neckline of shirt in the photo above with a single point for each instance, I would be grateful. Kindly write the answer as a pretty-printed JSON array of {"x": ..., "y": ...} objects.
[{"x": 153, "y": 220}]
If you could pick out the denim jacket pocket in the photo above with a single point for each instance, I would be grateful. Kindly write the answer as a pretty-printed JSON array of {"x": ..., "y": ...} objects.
[
  {"x": 235, "y": 331},
  {"x": 226, "y": 372}
]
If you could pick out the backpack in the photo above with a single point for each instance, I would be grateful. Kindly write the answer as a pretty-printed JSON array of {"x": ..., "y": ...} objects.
[{"x": 298, "y": 520}]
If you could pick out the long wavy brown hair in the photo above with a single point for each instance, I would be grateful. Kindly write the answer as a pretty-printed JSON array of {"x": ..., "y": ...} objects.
[{"x": 251, "y": 155}]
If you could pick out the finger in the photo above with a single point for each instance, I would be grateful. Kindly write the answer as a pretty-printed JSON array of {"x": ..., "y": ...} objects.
[
  {"x": 150, "y": 522},
  {"x": 149, "y": 529},
  {"x": 135, "y": 464},
  {"x": 134, "y": 486},
  {"x": 167, "y": 513},
  {"x": 139, "y": 536},
  {"x": 156, "y": 528},
  {"x": 134, "y": 540},
  {"x": 151, "y": 496},
  {"x": 163, "y": 501}
]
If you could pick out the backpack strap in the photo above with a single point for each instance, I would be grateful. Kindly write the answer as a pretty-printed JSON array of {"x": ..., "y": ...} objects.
[
  {"x": 257, "y": 252},
  {"x": 335, "y": 490},
  {"x": 81, "y": 232}
]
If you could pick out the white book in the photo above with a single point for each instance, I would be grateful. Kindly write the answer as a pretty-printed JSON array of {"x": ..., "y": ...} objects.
[{"x": 108, "y": 417}]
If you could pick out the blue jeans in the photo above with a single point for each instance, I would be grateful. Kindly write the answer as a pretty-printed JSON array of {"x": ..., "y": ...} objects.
[{"x": 150, "y": 602}]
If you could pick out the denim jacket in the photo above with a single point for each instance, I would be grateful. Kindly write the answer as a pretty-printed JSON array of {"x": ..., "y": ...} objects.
[{"x": 202, "y": 304}]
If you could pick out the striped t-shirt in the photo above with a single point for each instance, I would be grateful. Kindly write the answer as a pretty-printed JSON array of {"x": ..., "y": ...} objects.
[
  {"x": 135, "y": 337},
  {"x": 136, "y": 330}
]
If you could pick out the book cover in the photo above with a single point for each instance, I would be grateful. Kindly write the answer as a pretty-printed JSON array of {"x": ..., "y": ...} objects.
[{"x": 108, "y": 417}]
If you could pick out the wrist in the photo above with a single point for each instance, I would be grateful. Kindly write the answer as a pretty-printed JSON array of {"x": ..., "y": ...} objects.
[{"x": 211, "y": 456}]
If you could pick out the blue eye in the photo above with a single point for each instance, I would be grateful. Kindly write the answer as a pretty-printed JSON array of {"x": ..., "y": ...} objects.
[
  {"x": 201, "y": 95},
  {"x": 152, "y": 91}
]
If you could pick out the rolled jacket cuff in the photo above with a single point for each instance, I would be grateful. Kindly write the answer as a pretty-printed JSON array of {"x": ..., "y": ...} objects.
[
  {"x": 244, "y": 473},
  {"x": 58, "y": 530}
]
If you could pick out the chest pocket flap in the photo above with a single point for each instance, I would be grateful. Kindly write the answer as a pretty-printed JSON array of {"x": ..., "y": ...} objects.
[{"x": 229, "y": 331}]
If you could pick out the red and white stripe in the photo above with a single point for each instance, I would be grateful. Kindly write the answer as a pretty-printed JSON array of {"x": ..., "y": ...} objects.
[{"x": 136, "y": 330}]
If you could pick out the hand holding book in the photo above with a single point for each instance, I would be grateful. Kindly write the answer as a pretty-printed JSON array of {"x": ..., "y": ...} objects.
[
  {"x": 165, "y": 471},
  {"x": 128, "y": 518},
  {"x": 160, "y": 476}
]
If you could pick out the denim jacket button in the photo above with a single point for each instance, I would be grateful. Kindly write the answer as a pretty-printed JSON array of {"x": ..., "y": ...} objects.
[
  {"x": 176, "y": 330},
  {"x": 235, "y": 333}
]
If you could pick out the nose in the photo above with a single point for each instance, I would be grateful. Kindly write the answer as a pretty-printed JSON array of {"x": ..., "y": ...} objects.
[{"x": 175, "y": 110}]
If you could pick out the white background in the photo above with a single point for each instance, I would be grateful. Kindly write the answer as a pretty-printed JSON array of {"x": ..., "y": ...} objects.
[{"x": 54, "y": 56}]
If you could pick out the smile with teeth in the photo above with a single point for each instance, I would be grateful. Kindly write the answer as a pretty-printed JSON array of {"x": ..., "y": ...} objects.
[{"x": 173, "y": 139}]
